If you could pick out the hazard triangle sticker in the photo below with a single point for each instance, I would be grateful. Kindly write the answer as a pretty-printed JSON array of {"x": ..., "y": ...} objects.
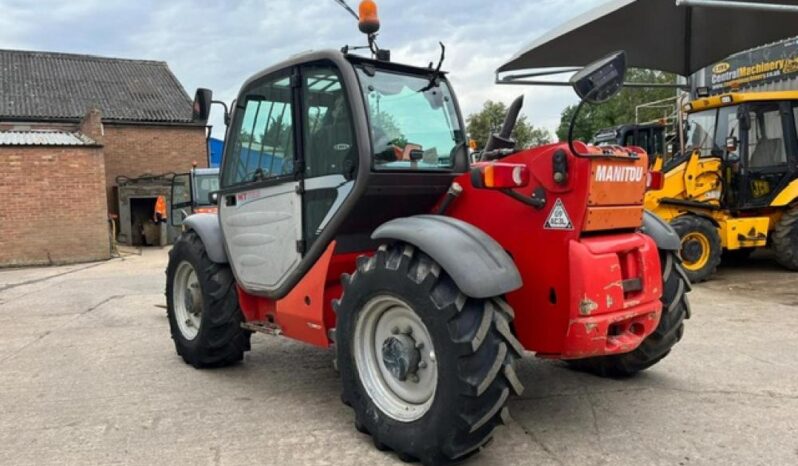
[{"x": 558, "y": 218}]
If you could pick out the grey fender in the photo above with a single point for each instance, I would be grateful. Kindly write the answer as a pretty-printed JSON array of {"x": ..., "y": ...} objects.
[
  {"x": 662, "y": 233},
  {"x": 476, "y": 262},
  {"x": 210, "y": 232}
]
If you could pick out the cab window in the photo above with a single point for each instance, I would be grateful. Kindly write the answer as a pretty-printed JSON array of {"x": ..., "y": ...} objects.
[
  {"x": 181, "y": 189},
  {"x": 795, "y": 117},
  {"x": 204, "y": 186},
  {"x": 263, "y": 143},
  {"x": 766, "y": 137},
  {"x": 328, "y": 133},
  {"x": 728, "y": 126},
  {"x": 701, "y": 132},
  {"x": 414, "y": 123}
]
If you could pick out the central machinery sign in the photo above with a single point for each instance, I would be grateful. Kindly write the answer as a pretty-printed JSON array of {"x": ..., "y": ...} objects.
[{"x": 757, "y": 66}]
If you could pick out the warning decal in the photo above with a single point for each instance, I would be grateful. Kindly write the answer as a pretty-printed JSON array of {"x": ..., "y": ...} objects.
[{"x": 558, "y": 218}]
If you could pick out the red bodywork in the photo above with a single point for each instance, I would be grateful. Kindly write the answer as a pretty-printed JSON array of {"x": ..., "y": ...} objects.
[{"x": 591, "y": 289}]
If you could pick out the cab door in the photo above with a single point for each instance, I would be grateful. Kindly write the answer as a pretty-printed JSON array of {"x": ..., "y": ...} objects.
[
  {"x": 260, "y": 206},
  {"x": 768, "y": 142},
  {"x": 330, "y": 151},
  {"x": 288, "y": 168}
]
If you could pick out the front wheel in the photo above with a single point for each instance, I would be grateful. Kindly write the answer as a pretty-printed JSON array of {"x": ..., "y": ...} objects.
[
  {"x": 202, "y": 306},
  {"x": 701, "y": 246},
  {"x": 426, "y": 369},
  {"x": 675, "y": 309}
]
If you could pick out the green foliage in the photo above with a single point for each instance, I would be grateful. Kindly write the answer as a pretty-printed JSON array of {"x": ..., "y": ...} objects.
[
  {"x": 276, "y": 134},
  {"x": 489, "y": 120},
  {"x": 620, "y": 109}
]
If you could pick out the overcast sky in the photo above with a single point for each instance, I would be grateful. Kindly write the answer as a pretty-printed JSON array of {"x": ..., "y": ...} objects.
[{"x": 218, "y": 44}]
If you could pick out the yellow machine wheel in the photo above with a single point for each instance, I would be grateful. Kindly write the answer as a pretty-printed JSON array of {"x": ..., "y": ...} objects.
[
  {"x": 785, "y": 239},
  {"x": 701, "y": 247}
]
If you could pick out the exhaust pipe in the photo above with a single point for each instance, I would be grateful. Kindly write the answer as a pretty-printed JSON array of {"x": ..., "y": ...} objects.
[{"x": 503, "y": 139}]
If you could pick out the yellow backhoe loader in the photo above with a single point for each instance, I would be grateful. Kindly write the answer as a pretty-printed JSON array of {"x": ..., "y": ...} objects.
[{"x": 734, "y": 186}]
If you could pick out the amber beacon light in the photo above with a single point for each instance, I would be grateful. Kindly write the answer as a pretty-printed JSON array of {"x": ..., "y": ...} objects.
[{"x": 369, "y": 21}]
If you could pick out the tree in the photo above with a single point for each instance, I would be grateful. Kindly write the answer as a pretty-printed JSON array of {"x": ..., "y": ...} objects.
[
  {"x": 620, "y": 109},
  {"x": 489, "y": 120}
]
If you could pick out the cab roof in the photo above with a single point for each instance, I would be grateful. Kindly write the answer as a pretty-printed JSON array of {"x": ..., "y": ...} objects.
[
  {"x": 340, "y": 58},
  {"x": 206, "y": 171},
  {"x": 734, "y": 98}
]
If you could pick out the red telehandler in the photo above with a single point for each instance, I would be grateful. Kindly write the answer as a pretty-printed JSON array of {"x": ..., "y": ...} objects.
[{"x": 350, "y": 217}]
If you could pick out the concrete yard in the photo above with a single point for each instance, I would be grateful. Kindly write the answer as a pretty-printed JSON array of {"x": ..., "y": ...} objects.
[{"x": 88, "y": 375}]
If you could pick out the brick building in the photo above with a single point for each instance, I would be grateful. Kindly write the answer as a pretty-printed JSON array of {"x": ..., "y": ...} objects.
[{"x": 70, "y": 127}]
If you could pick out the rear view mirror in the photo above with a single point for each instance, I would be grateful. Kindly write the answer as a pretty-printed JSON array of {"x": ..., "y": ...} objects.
[
  {"x": 602, "y": 79},
  {"x": 731, "y": 143},
  {"x": 202, "y": 105},
  {"x": 213, "y": 198}
]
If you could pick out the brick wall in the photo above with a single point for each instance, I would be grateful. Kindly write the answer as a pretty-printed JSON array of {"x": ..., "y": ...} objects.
[
  {"x": 52, "y": 205},
  {"x": 135, "y": 150}
]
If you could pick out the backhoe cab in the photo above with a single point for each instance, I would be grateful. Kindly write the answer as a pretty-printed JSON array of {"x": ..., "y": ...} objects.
[
  {"x": 349, "y": 217},
  {"x": 735, "y": 186}
]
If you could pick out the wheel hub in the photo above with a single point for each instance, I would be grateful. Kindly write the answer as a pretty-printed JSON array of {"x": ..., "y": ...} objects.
[
  {"x": 691, "y": 250},
  {"x": 400, "y": 356},
  {"x": 395, "y": 358},
  {"x": 187, "y": 300}
]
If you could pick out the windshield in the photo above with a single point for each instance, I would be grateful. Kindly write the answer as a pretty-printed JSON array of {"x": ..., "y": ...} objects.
[
  {"x": 413, "y": 125},
  {"x": 204, "y": 186},
  {"x": 701, "y": 132}
]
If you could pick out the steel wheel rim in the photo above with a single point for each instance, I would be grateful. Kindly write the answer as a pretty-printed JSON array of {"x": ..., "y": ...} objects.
[
  {"x": 377, "y": 322},
  {"x": 187, "y": 300},
  {"x": 703, "y": 242}
]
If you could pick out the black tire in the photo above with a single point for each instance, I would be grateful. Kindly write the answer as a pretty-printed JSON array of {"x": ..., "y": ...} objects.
[
  {"x": 785, "y": 239},
  {"x": 675, "y": 309},
  {"x": 475, "y": 352},
  {"x": 701, "y": 247},
  {"x": 220, "y": 340}
]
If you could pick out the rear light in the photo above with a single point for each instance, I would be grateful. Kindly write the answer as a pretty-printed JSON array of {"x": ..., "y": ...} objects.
[
  {"x": 655, "y": 181},
  {"x": 500, "y": 175}
]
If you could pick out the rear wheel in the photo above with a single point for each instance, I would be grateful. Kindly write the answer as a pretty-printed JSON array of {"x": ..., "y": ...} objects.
[
  {"x": 675, "y": 309},
  {"x": 785, "y": 239},
  {"x": 426, "y": 369},
  {"x": 701, "y": 248},
  {"x": 202, "y": 306}
]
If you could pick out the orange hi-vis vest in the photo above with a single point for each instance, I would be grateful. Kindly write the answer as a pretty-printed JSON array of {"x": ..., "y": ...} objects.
[{"x": 160, "y": 207}]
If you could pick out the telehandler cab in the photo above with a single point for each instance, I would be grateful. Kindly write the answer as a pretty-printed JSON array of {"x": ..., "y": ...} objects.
[
  {"x": 349, "y": 217},
  {"x": 735, "y": 186},
  {"x": 192, "y": 192}
]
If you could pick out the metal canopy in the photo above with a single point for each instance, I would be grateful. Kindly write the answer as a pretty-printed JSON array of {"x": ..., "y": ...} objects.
[{"x": 678, "y": 36}]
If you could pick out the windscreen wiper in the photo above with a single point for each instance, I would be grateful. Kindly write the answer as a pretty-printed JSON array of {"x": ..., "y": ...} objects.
[{"x": 434, "y": 80}]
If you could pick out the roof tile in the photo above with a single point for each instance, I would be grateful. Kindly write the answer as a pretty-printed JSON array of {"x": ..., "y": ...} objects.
[{"x": 43, "y": 85}]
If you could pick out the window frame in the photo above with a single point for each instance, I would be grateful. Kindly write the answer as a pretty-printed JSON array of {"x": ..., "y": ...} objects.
[{"x": 239, "y": 111}]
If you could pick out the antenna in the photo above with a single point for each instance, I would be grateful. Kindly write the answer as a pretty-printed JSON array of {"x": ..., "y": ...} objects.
[{"x": 346, "y": 7}]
